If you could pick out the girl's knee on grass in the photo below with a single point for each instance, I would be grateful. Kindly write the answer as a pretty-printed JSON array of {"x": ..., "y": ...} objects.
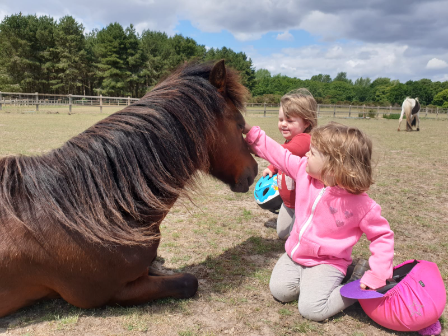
[
  {"x": 314, "y": 311},
  {"x": 284, "y": 292}
]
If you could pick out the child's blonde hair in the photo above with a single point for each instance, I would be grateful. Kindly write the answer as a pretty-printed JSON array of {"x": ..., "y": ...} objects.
[
  {"x": 300, "y": 103},
  {"x": 348, "y": 153}
]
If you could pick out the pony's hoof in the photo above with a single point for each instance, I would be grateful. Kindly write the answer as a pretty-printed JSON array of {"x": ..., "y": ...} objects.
[
  {"x": 188, "y": 286},
  {"x": 398, "y": 130},
  {"x": 418, "y": 129}
]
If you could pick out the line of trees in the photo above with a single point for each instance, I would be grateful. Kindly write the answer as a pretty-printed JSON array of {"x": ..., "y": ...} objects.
[
  {"x": 382, "y": 91},
  {"x": 40, "y": 54}
]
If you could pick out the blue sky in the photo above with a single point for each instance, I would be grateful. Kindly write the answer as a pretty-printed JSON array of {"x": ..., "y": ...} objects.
[
  {"x": 268, "y": 44},
  {"x": 399, "y": 39}
]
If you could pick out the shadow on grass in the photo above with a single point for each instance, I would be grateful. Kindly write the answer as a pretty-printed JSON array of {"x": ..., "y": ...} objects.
[{"x": 222, "y": 273}]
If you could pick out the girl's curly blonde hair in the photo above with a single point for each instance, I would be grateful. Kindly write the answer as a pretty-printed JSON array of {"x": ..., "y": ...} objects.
[
  {"x": 300, "y": 103},
  {"x": 348, "y": 153}
]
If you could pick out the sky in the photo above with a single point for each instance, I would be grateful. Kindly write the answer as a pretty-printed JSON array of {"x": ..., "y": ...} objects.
[{"x": 399, "y": 39}]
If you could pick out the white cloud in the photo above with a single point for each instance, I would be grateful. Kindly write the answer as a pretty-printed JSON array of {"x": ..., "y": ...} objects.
[
  {"x": 286, "y": 36},
  {"x": 247, "y": 36},
  {"x": 288, "y": 67},
  {"x": 436, "y": 63},
  {"x": 375, "y": 60},
  {"x": 335, "y": 52},
  {"x": 329, "y": 26}
]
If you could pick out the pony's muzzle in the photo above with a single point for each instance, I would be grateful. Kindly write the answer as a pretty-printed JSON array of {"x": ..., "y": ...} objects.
[{"x": 246, "y": 179}]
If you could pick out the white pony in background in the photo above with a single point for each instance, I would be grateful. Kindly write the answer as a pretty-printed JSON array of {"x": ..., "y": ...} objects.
[{"x": 411, "y": 107}]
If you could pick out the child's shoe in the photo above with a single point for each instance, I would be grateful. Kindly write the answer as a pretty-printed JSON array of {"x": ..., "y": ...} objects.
[
  {"x": 350, "y": 269},
  {"x": 271, "y": 223},
  {"x": 361, "y": 267}
]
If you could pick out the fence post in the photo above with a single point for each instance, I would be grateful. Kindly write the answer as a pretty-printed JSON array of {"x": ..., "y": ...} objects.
[
  {"x": 264, "y": 114},
  {"x": 349, "y": 111},
  {"x": 69, "y": 103},
  {"x": 377, "y": 111},
  {"x": 129, "y": 100},
  {"x": 437, "y": 113},
  {"x": 426, "y": 111},
  {"x": 363, "y": 111},
  {"x": 1, "y": 99},
  {"x": 318, "y": 110},
  {"x": 334, "y": 110},
  {"x": 101, "y": 103},
  {"x": 37, "y": 101}
]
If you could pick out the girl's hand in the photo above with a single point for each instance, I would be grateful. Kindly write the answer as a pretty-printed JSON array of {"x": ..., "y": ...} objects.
[
  {"x": 247, "y": 128},
  {"x": 266, "y": 172},
  {"x": 363, "y": 286}
]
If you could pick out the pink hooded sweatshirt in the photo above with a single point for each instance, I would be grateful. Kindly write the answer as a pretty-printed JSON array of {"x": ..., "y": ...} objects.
[{"x": 331, "y": 220}]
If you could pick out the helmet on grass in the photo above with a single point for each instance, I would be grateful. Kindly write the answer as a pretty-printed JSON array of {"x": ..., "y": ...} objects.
[{"x": 266, "y": 193}]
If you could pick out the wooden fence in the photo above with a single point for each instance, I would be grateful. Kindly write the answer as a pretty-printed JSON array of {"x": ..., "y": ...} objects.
[
  {"x": 39, "y": 99},
  {"x": 350, "y": 111}
]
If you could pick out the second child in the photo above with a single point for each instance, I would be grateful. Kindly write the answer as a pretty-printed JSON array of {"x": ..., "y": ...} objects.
[{"x": 296, "y": 118}]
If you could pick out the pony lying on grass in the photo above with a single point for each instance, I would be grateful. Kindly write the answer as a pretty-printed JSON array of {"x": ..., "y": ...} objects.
[
  {"x": 410, "y": 107},
  {"x": 82, "y": 221}
]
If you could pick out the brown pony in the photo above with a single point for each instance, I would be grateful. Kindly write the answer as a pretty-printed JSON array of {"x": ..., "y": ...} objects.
[{"x": 82, "y": 221}]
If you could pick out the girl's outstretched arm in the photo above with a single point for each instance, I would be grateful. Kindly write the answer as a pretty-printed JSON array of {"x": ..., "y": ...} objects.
[{"x": 270, "y": 150}]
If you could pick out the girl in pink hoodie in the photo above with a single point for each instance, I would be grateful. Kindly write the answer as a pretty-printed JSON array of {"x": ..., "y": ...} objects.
[{"x": 331, "y": 184}]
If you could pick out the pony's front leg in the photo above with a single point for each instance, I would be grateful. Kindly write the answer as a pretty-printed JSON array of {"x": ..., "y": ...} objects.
[{"x": 152, "y": 287}]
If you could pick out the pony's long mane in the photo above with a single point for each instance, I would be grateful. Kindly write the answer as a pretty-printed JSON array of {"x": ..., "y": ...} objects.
[{"x": 114, "y": 182}]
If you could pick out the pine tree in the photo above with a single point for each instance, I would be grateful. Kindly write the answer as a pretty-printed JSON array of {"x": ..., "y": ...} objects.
[
  {"x": 111, "y": 52},
  {"x": 135, "y": 64},
  {"x": 71, "y": 56},
  {"x": 24, "y": 41}
]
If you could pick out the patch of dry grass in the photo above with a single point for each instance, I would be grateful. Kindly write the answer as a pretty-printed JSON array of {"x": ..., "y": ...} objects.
[{"x": 221, "y": 239}]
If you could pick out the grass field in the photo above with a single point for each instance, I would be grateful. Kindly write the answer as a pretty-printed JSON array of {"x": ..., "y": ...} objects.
[{"x": 223, "y": 241}]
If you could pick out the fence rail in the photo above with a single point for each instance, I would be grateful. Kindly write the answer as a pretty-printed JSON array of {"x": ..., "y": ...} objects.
[
  {"x": 41, "y": 99},
  {"x": 350, "y": 111},
  {"x": 36, "y": 99}
]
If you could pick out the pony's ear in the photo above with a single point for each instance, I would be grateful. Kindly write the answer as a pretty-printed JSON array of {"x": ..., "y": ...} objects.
[{"x": 218, "y": 75}]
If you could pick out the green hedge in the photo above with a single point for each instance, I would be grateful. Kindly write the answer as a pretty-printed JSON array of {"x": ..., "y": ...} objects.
[{"x": 392, "y": 116}]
